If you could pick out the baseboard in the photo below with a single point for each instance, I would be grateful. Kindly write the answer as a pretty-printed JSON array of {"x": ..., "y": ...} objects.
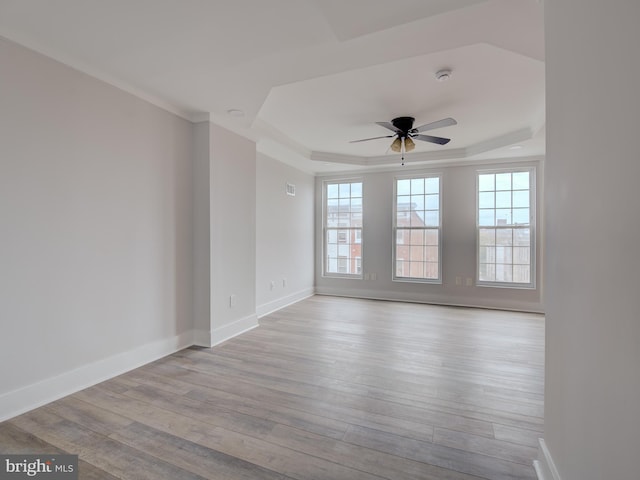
[
  {"x": 431, "y": 300},
  {"x": 226, "y": 332},
  {"x": 202, "y": 338},
  {"x": 274, "y": 305},
  {"x": 40, "y": 393},
  {"x": 544, "y": 466}
]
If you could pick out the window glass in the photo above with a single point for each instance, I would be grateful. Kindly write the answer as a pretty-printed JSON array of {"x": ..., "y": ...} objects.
[
  {"x": 504, "y": 234},
  {"x": 417, "y": 229},
  {"x": 343, "y": 229}
]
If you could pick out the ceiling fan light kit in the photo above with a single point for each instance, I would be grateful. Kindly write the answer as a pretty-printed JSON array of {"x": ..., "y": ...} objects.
[
  {"x": 404, "y": 133},
  {"x": 409, "y": 144}
]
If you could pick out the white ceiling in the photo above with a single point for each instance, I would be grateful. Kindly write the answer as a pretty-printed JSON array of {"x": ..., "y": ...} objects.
[{"x": 311, "y": 75}]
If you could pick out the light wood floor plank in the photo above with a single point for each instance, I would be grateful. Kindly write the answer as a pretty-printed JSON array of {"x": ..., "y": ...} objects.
[{"x": 327, "y": 388}]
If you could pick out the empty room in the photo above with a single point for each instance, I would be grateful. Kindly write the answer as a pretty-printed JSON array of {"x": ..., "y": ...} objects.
[{"x": 319, "y": 239}]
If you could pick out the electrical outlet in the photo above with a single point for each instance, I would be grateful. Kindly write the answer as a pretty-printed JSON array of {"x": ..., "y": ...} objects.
[
  {"x": 272, "y": 285},
  {"x": 367, "y": 276},
  {"x": 458, "y": 281},
  {"x": 284, "y": 282},
  {"x": 469, "y": 282},
  {"x": 233, "y": 300}
]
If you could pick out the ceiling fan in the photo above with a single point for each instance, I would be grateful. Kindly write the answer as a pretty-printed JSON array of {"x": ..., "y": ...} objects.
[{"x": 404, "y": 133}]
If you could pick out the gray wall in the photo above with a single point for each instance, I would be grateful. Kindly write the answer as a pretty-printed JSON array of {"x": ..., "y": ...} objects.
[
  {"x": 96, "y": 229},
  {"x": 126, "y": 230},
  {"x": 202, "y": 234},
  {"x": 285, "y": 235},
  {"x": 224, "y": 248},
  {"x": 592, "y": 396},
  {"x": 458, "y": 243},
  {"x": 232, "y": 233}
]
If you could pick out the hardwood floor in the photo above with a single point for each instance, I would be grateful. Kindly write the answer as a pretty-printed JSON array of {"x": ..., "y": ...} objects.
[{"x": 328, "y": 388}]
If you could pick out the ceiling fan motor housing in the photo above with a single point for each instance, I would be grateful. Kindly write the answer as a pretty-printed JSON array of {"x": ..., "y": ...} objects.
[{"x": 404, "y": 124}]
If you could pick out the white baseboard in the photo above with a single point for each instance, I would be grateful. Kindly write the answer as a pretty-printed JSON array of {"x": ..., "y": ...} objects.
[
  {"x": 433, "y": 300},
  {"x": 544, "y": 466},
  {"x": 45, "y": 391},
  {"x": 202, "y": 338},
  {"x": 274, "y": 305},
  {"x": 210, "y": 338},
  {"x": 226, "y": 332}
]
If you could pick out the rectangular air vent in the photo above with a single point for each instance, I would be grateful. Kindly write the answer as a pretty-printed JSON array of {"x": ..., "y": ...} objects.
[{"x": 291, "y": 189}]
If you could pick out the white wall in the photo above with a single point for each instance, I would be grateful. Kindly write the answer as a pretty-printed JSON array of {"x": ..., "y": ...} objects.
[
  {"x": 592, "y": 395},
  {"x": 458, "y": 243},
  {"x": 95, "y": 230},
  {"x": 284, "y": 235}
]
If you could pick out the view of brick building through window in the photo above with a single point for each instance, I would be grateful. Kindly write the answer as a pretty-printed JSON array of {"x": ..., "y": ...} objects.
[
  {"x": 343, "y": 228},
  {"x": 504, "y": 227},
  {"x": 504, "y": 230},
  {"x": 417, "y": 229},
  {"x": 416, "y": 248}
]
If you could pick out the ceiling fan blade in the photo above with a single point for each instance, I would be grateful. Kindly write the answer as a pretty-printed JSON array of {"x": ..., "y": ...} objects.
[
  {"x": 372, "y": 138},
  {"x": 445, "y": 122},
  {"x": 429, "y": 138},
  {"x": 390, "y": 126}
]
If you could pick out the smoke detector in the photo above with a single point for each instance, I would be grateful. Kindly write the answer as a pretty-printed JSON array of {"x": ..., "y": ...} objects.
[{"x": 443, "y": 75}]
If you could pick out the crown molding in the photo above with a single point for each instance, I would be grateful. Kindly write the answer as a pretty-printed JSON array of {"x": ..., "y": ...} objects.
[
  {"x": 87, "y": 69},
  {"x": 265, "y": 131}
]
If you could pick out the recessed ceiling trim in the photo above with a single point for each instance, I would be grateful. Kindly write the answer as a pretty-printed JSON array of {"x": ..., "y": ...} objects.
[
  {"x": 528, "y": 160},
  {"x": 505, "y": 140},
  {"x": 342, "y": 86},
  {"x": 340, "y": 158},
  {"x": 448, "y": 154},
  {"x": 200, "y": 117},
  {"x": 282, "y": 153},
  {"x": 510, "y": 138},
  {"x": 265, "y": 129}
]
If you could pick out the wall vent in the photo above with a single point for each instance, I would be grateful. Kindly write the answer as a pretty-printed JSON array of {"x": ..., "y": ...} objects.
[{"x": 291, "y": 189}]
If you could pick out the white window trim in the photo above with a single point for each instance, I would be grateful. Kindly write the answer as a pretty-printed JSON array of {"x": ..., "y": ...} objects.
[
  {"x": 532, "y": 229},
  {"x": 325, "y": 274},
  {"x": 394, "y": 277}
]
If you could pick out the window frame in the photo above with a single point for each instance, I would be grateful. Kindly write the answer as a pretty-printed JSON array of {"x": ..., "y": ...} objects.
[
  {"x": 395, "y": 230},
  {"x": 532, "y": 226},
  {"x": 351, "y": 235}
]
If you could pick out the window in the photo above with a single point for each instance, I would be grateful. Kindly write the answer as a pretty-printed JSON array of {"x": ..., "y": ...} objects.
[
  {"x": 343, "y": 229},
  {"x": 505, "y": 228},
  {"x": 417, "y": 229}
]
